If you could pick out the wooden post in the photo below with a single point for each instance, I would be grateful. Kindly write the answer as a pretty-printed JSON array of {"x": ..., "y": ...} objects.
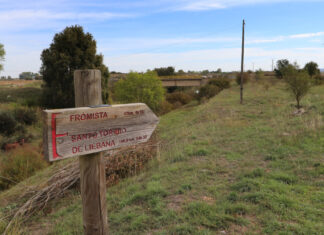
[{"x": 87, "y": 89}]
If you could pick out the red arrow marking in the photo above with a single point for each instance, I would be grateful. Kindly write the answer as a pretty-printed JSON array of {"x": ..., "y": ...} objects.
[{"x": 54, "y": 135}]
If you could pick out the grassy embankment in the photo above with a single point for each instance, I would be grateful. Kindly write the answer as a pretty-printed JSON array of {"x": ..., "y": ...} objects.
[
  {"x": 18, "y": 164},
  {"x": 243, "y": 169}
]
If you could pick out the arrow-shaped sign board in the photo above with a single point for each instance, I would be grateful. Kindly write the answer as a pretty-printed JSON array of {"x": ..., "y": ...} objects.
[{"x": 79, "y": 131}]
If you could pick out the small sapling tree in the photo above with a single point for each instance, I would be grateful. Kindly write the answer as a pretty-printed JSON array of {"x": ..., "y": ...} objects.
[
  {"x": 298, "y": 82},
  {"x": 146, "y": 88},
  {"x": 2, "y": 54},
  {"x": 312, "y": 69},
  {"x": 282, "y": 65}
]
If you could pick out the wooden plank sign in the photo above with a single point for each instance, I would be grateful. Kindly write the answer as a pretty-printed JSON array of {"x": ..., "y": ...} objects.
[{"x": 85, "y": 130}]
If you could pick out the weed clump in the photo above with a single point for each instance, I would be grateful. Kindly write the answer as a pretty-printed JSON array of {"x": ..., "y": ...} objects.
[
  {"x": 285, "y": 178},
  {"x": 245, "y": 186},
  {"x": 318, "y": 79},
  {"x": 165, "y": 107},
  {"x": 19, "y": 164},
  {"x": 13, "y": 126},
  {"x": 255, "y": 173},
  {"x": 8, "y": 124},
  {"x": 254, "y": 198},
  {"x": 184, "y": 188},
  {"x": 222, "y": 82},
  {"x": 208, "y": 91},
  {"x": 207, "y": 215},
  {"x": 25, "y": 116},
  {"x": 236, "y": 209},
  {"x": 232, "y": 197},
  {"x": 246, "y": 78},
  {"x": 179, "y": 96}
]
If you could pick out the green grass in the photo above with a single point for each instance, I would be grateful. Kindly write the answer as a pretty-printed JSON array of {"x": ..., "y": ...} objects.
[
  {"x": 27, "y": 95},
  {"x": 244, "y": 169}
]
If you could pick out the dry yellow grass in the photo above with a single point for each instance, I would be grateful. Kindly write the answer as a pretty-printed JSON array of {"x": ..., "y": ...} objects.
[{"x": 18, "y": 83}]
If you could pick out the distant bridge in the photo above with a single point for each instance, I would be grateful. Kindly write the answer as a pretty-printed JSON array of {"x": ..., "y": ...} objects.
[{"x": 183, "y": 82}]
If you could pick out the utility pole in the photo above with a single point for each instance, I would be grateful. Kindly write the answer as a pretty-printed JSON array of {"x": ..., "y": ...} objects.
[
  {"x": 272, "y": 66},
  {"x": 242, "y": 65}
]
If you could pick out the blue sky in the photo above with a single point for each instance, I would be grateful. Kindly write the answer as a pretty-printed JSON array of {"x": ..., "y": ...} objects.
[{"x": 190, "y": 35}]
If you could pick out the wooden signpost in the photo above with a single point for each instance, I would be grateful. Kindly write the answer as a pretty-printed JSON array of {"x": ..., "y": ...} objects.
[
  {"x": 81, "y": 131},
  {"x": 86, "y": 132}
]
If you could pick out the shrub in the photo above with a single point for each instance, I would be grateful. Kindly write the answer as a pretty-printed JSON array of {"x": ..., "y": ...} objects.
[
  {"x": 246, "y": 78},
  {"x": 298, "y": 83},
  {"x": 8, "y": 124},
  {"x": 167, "y": 71},
  {"x": 282, "y": 65},
  {"x": 179, "y": 96},
  {"x": 259, "y": 75},
  {"x": 3, "y": 141},
  {"x": 312, "y": 69},
  {"x": 221, "y": 82},
  {"x": 165, "y": 107},
  {"x": 318, "y": 79},
  {"x": 20, "y": 164},
  {"x": 25, "y": 116},
  {"x": 208, "y": 91},
  {"x": 146, "y": 88},
  {"x": 33, "y": 101}
]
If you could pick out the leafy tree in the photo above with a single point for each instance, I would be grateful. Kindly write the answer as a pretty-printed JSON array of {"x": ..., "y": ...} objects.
[
  {"x": 312, "y": 68},
  {"x": 146, "y": 88},
  {"x": 205, "y": 72},
  {"x": 28, "y": 75},
  {"x": 281, "y": 66},
  {"x": 165, "y": 71},
  {"x": 298, "y": 82},
  {"x": 70, "y": 50},
  {"x": 2, "y": 54},
  {"x": 181, "y": 72}
]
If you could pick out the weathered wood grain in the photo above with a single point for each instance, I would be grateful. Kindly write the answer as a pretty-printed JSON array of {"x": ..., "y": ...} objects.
[
  {"x": 87, "y": 88},
  {"x": 88, "y": 130}
]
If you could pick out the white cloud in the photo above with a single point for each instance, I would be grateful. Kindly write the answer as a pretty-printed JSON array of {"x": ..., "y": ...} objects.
[
  {"x": 283, "y": 38},
  {"x": 307, "y": 35},
  {"x": 153, "y": 44},
  {"x": 16, "y": 20},
  {"x": 48, "y": 15},
  {"x": 202, "y": 5},
  {"x": 270, "y": 40}
]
